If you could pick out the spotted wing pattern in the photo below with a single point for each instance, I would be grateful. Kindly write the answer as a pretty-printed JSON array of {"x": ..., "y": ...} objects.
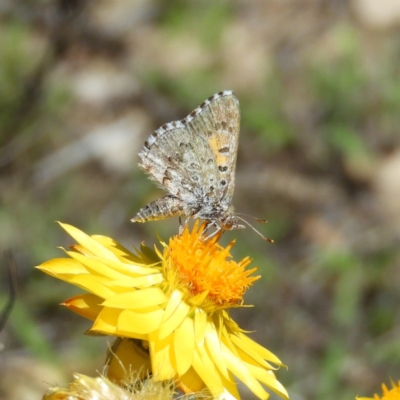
[{"x": 194, "y": 159}]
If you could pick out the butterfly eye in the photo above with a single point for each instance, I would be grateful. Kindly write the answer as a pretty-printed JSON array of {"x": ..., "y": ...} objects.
[
  {"x": 228, "y": 225},
  {"x": 229, "y": 222}
]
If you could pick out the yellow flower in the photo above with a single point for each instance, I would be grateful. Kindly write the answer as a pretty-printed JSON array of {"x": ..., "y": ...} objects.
[
  {"x": 87, "y": 388},
  {"x": 175, "y": 303},
  {"x": 388, "y": 394}
]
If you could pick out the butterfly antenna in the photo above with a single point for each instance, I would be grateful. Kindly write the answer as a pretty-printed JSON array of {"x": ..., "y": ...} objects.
[
  {"x": 254, "y": 229},
  {"x": 262, "y": 221}
]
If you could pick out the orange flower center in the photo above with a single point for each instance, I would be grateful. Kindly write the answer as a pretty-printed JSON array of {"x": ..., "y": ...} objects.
[{"x": 203, "y": 266}]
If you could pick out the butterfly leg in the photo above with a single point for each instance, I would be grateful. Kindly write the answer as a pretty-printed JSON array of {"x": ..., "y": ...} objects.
[
  {"x": 182, "y": 226},
  {"x": 207, "y": 228},
  {"x": 219, "y": 229},
  {"x": 209, "y": 224}
]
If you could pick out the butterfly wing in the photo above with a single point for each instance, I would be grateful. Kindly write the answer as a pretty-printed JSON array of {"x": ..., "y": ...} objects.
[
  {"x": 194, "y": 159},
  {"x": 221, "y": 119},
  {"x": 176, "y": 161}
]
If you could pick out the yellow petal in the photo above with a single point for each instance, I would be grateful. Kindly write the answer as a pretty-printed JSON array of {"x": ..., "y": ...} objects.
[
  {"x": 127, "y": 268},
  {"x": 213, "y": 345},
  {"x": 106, "y": 321},
  {"x": 125, "y": 357},
  {"x": 246, "y": 353},
  {"x": 184, "y": 343},
  {"x": 173, "y": 303},
  {"x": 200, "y": 321},
  {"x": 199, "y": 299},
  {"x": 160, "y": 354},
  {"x": 240, "y": 370},
  {"x": 175, "y": 320},
  {"x": 137, "y": 299},
  {"x": 158, "y": 253},
  {"x": 207, "y": 372},
  {"x": 142, "y": 323},
  {"x": 62, "y": 268},
  {"x": 95, "y": 266},
  {"x": 149, "y": 255},
  {"x": 191, "y": 382},
  {"x": 77, "y": 248},
  {"x": 226, "y": 338},
  {"x": 231, "y": 387},
  {"x": 92, "y": 245},
  {"x": 92, "y": 284},
  {"x": 269, "y": 380},
  {"x": 118, "y": 249},
  {"x": 142, "y": 282},
  {"x": 85, "y": 305},
  {"x": 262, "y": 351}
]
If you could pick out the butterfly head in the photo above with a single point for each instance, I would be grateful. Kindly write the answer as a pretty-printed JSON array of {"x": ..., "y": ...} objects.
[{"x": 230, "y": 222}]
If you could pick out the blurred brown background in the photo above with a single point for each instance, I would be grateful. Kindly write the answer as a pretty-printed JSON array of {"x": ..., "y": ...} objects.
[{"x": 82, "y": 85}]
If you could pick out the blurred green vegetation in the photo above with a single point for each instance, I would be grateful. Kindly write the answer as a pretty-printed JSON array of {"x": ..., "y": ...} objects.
[{"x": 205, "y": 21}]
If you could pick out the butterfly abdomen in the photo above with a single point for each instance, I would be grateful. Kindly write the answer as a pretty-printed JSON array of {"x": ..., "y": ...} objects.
[{"x": 165, "y": 207}]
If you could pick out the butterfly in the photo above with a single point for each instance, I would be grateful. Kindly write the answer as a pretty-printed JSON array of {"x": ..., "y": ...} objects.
[{"x": 194, "y": 159}]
